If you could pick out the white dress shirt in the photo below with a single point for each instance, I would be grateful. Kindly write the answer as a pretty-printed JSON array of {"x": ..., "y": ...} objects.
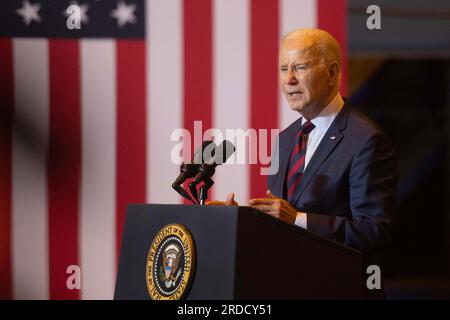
[{"x": 321, "y": 122}]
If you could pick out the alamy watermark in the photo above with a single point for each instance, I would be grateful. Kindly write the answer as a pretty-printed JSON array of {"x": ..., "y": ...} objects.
[
  {"x": 373, "y": 22},
  {"x": 252, "y": 146},
  {"x": 374, "y": 279},
  {"x": 74, "y": 279}
]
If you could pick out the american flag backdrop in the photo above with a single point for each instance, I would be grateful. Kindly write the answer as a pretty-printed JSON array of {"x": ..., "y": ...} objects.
[{"x": 87, "y": 117}]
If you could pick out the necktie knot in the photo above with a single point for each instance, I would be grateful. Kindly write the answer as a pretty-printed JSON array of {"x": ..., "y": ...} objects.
[{"x": 307, "y": 127}]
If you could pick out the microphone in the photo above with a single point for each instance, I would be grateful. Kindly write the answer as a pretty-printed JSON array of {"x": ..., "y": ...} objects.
[
  {"x": 208, "y": 168},
  {"x": 189, "y": 169}
]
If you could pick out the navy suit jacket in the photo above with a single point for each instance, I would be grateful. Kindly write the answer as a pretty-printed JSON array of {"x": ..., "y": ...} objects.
[{"x": 348, "y": 187}]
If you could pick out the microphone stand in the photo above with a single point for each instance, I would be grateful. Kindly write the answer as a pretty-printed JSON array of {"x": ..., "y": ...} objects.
[
  {"x": 183, "y": 193},
  {"x": 203, "y": 195},
  {"x": 204, "y": 190},
  {"x": 206, "y": 171}
]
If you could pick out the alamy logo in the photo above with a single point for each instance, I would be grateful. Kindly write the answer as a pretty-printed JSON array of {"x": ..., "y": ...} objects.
[
  {"x": 252, "y": 146},
  {"x": 374, "y": 280},
  {"x": 73, "y": 14},
  {"x": 74, "y": 278},
  {"x": 374, "y": 20}
]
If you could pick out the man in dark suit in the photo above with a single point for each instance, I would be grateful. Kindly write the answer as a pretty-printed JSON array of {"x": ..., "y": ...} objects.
[{"x": 334, "y": 171}]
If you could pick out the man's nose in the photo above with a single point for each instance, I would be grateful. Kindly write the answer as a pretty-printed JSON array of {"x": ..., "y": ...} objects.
[{"x": 291, "y": 78}]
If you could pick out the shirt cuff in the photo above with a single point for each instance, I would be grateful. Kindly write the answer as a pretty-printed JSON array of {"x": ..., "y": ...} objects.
[{"x": 301, "y": 219}]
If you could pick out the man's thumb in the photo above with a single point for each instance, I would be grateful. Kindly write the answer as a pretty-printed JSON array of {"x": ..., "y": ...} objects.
[
  {"x": 230, "y": 199},
  {"x": 270, "y": 195}
]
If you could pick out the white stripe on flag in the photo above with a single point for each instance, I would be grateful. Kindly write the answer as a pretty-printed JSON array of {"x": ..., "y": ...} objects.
[
  {"x": 97, "y": 216},
  {"x": 165, "y": 109},
  {"x": 231, "y": 89},
  {"x": 294, "y": 14},
  {"x": 29, "y": 186}
]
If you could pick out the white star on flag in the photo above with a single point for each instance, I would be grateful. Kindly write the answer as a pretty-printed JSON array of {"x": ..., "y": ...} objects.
[
  {"x": 83, "y": 11},
  {"x": 29, "y": 12},
  {"x": 124, "y": 14}
]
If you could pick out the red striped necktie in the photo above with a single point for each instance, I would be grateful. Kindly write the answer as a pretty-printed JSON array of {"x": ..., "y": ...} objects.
[{"x": 297, "y": 160}]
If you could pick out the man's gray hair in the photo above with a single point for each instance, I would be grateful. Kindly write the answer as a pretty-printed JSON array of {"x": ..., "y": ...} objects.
[{"x": 325, "y": 44}]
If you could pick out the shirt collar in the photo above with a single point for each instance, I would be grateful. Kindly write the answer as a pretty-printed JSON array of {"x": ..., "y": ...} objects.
[{"x": 326, "y": 116}]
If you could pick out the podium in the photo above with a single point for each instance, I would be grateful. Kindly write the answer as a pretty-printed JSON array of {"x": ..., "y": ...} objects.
[{"x": 242, "y": 254}]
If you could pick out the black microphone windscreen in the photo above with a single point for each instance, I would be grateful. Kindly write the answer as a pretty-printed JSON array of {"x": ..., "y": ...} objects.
[
  {"x": 224, "y": 151},
  {"x": 205, "y": 153}
]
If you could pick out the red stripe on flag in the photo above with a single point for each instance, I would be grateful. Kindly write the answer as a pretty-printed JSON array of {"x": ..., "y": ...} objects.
[
  {"x": 332, "y": 17},
  {"x": 198, "y": 86},
  {"x": 131, "y": 129},
  {"x": 264, "y": 78},
  {"x": 64, "y": 164},
  {"x": 6, "y": 112}
]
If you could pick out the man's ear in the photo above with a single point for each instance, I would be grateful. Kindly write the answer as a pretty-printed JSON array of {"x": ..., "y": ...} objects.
[{"x": 333, "y": 72}]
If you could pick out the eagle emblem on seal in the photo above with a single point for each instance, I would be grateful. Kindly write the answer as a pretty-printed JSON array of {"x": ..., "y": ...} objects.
[{"x": 169, "y": 271}]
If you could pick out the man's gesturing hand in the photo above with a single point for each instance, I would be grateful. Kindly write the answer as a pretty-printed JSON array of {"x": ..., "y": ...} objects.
[
  {"x": 276, "y": 207},
  {"x": 229, "y": 202}
]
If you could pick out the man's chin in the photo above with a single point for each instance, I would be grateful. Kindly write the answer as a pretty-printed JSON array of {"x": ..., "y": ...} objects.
[{"x": 298, "y": 108}]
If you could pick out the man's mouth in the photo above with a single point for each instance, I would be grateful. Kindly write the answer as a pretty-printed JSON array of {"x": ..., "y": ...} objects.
[{"x": 295, "y": 94}]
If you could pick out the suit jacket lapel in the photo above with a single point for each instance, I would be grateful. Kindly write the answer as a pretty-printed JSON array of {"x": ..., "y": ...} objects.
[{"x": 329, "y": 142}]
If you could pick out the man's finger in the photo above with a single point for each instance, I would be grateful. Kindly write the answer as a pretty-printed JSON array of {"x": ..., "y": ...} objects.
[
  {"x": 215, "y": 203},
  {"x": 264, "y": 208},
  {"x": 258, "y": 201},
  {"x": 271, "y": 195},
  {"x": 230, "y": 199}
]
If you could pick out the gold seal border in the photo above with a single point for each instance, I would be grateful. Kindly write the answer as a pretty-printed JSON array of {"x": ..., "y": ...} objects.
[{"x": 183, "y": 233}]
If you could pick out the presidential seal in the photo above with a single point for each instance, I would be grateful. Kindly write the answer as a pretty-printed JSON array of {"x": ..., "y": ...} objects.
[{"x": 170, "y": 263}]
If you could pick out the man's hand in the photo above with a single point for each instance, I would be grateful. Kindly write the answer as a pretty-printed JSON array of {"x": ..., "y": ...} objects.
[
  {"x": 276, "y": 207},
  {"x": 229, "y": 202}
]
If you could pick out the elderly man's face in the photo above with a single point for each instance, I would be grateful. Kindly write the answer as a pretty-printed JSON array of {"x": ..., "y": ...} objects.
[{"x": 304, "y": 78}]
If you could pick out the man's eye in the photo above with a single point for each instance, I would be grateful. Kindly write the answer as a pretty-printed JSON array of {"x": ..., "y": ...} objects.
[
  {"x": 283, "y": 69},
  {"x": 300, "y": 67}
]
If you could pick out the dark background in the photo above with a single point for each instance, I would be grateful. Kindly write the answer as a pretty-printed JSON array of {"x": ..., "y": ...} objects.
[{"x": 400, "y": 77}]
